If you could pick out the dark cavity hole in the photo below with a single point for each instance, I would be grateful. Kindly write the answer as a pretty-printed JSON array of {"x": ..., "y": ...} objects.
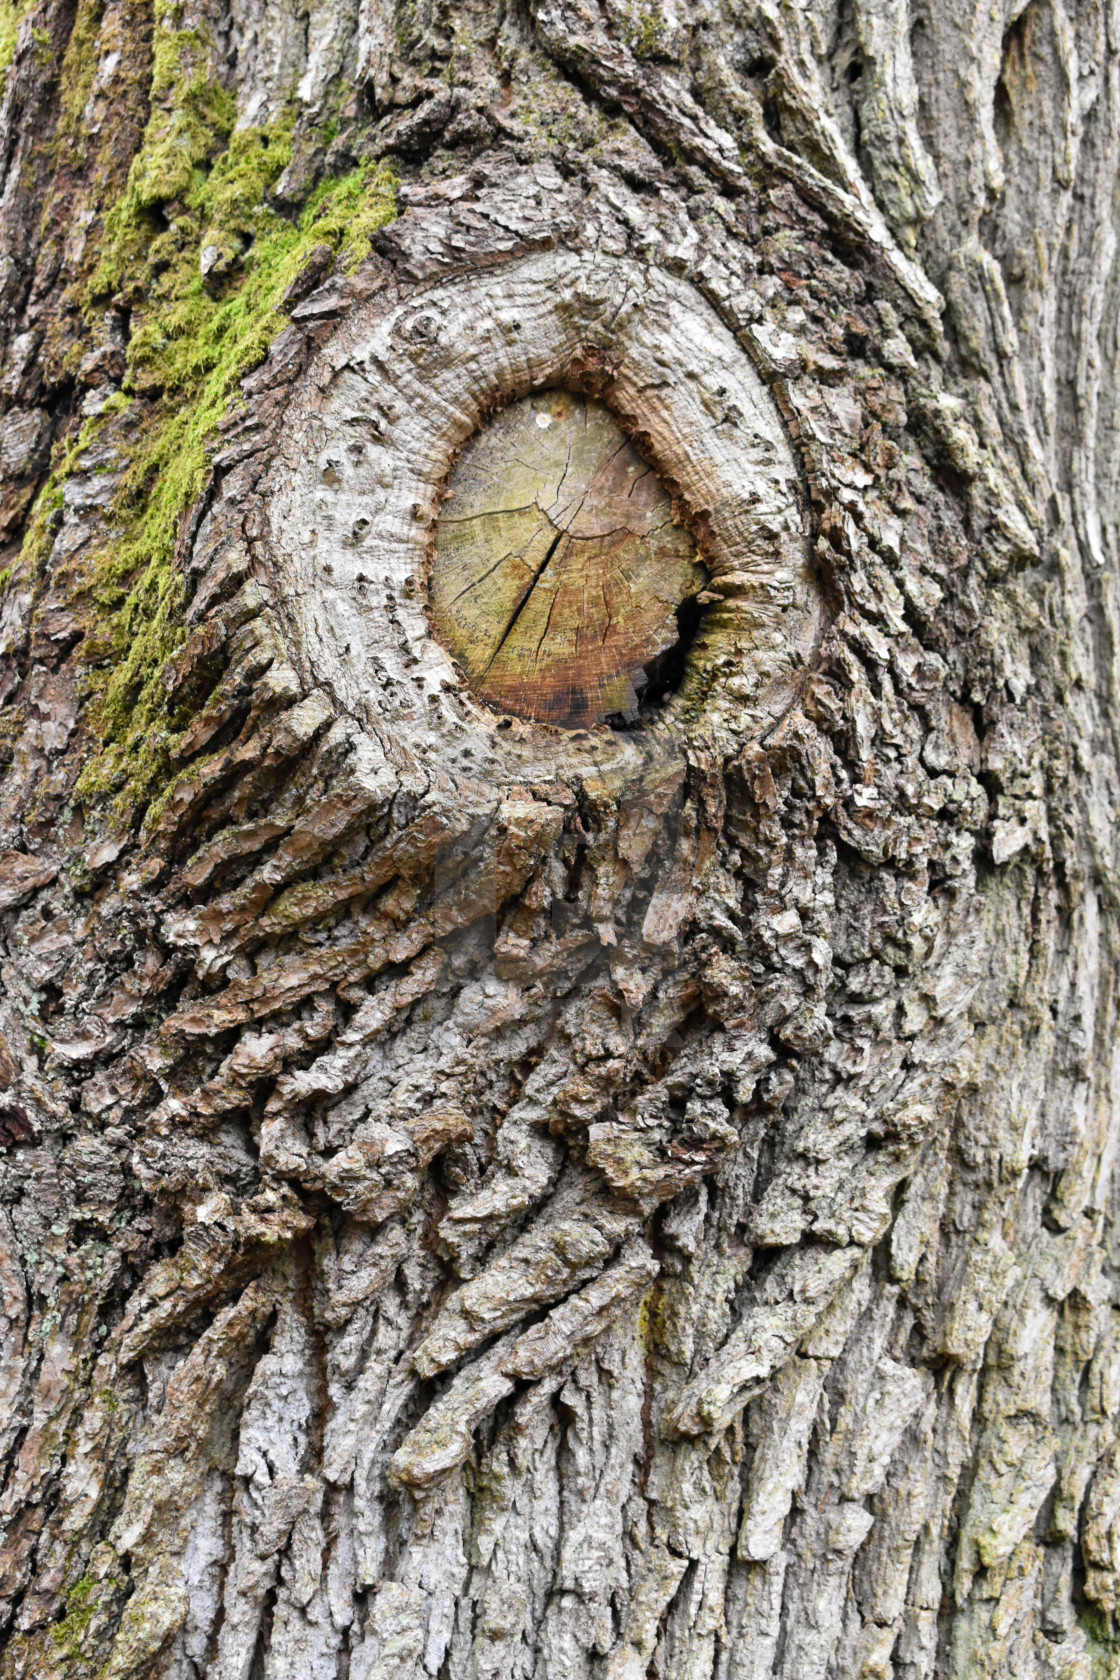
[{"x": 663, "y": 674}]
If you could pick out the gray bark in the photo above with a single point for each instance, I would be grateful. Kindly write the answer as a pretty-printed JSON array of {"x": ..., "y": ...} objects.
[{"x": 484, "y": 1199}]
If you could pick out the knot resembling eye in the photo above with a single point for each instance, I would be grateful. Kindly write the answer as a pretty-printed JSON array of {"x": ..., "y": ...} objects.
[
  {"x": 589, "y": 524},
  {"x": 561, "y": 577}
]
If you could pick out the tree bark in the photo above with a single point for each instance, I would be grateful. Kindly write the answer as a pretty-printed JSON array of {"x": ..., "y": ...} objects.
[{"x": 624, "y": 1185}]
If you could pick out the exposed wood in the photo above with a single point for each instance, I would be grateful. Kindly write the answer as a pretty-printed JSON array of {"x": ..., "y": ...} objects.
[{"x": 558, "y": 568}]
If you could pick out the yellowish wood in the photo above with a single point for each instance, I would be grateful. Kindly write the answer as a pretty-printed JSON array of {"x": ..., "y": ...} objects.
[{"x": 557, "y": 567}]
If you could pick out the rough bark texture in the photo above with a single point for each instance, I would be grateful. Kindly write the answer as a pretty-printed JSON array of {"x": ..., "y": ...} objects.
[{"x": 484, "y": 1198}]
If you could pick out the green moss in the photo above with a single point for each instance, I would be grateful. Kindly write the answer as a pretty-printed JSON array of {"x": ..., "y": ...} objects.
[
  {"x": 647, "y": 36},
  {"x": 81, "y": 1603},
  {"x": 47, "y": 508},
  {"x": 1103, "y": 1642},
  {"x": 196, "y": 255},
  {"x": 79, "y": 66},
  {"x": 12, "y": 13},
  {"x": 195, "y": 352},
  {"x": 195, "y": 200}
]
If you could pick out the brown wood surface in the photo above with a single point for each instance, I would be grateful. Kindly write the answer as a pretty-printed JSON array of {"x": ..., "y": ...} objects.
[{"x": 558, "y": 567}]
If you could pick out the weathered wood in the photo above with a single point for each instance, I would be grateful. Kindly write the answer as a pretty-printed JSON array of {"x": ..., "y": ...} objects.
[{"x": 558, "y": 564}]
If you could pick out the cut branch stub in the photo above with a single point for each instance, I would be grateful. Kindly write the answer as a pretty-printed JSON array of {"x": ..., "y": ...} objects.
[
  {"x": 558, "y": 567},
  {"x": 359, "y": 535}
]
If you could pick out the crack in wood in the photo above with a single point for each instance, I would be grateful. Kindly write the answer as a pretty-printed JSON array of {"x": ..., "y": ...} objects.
[
  {"x": 552, "y": 547},
  {"x": 563, "y": 632}
]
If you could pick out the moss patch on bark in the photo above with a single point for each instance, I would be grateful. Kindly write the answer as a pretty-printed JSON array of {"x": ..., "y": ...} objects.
[
  {"x": 200, "y": 262},
  {"x": 12, "y": 13},
  {"x": 194, "y": 353}
]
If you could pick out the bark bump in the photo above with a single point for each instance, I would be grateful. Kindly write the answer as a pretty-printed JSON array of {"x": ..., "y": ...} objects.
[{"x": 396, "y": 398}]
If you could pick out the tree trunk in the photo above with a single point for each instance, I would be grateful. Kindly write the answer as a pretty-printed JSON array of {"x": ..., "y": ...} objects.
[{"x": 559, "y": 895}]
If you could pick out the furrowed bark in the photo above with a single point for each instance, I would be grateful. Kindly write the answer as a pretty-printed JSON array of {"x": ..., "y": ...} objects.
[{"x": 558, "y": 879}]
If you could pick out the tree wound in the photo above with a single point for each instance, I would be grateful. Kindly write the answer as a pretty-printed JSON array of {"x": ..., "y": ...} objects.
[{"x": 559, "y": 572}]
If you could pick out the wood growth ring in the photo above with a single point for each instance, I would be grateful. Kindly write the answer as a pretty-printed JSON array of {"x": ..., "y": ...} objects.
[
  {"x": 562, "y": 575},
  {"x": 423, "y": 626}
]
